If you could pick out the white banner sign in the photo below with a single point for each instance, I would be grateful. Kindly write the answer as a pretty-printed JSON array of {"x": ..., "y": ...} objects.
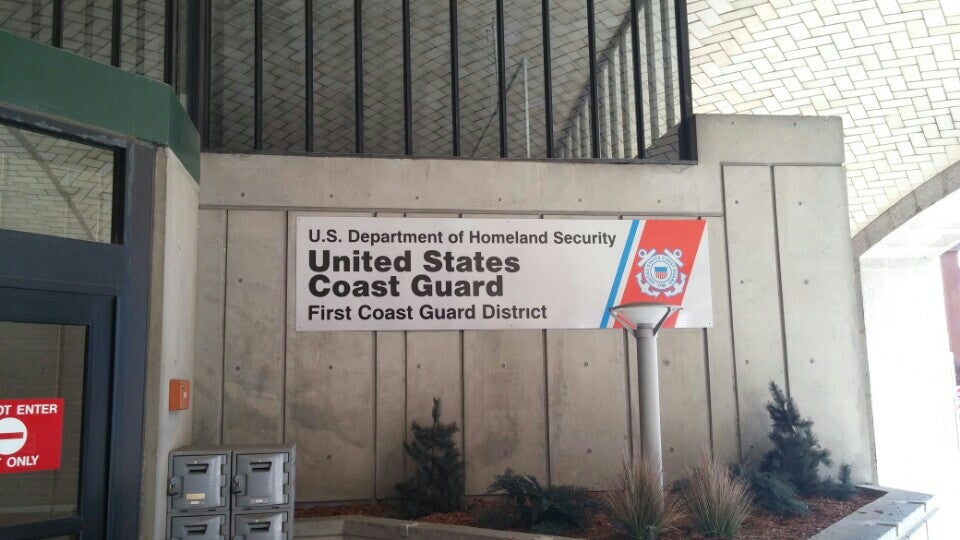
[{"x": 428, "y": 274}]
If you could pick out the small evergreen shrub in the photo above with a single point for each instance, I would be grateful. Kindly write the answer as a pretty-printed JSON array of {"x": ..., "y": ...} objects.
[
  {"x": 773, "y": 493},
  {"x": 796, "y": 453},
  {"x": 529, "y": 505},
  {"x": 718, "y": 502},
  {"x": 437, "y": 483},
  {"x": 841, "y": 489},
  {"x": 796, "y": 458},
  {"x": 637, "y": 504}
]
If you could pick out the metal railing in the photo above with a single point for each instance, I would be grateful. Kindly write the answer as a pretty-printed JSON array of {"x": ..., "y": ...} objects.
[{"x": 630, "y": 98}]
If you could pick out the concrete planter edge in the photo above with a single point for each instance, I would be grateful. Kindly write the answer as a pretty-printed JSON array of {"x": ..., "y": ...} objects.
[{"x": 896, "y": 515}]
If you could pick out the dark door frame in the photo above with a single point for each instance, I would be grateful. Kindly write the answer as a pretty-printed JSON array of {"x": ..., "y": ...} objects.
[
  {"x": 121, "y": 271},
  {"x": 96, "y": 314}
]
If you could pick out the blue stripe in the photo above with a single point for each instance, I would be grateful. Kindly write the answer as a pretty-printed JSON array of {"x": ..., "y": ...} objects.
[{"x": 616, "y": 282}]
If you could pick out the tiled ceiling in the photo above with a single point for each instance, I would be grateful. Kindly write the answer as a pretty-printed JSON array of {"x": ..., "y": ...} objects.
[{"x": 889, "y": 68}]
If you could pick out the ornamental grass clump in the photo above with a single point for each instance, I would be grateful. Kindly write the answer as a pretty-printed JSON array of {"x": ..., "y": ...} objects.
[
  {"x": 437, "y": 482},
  {"x": 637, "y": 504},
  {"x": 717, "y": 502}
]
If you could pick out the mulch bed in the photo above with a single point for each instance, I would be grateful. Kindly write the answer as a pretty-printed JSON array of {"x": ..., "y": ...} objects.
[{"x": 761, "y": 525}]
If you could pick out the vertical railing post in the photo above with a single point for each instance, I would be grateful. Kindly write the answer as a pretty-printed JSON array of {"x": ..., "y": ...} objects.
[
  {"x": 547, "y": 78},
  {"x": 56, "y": 37},
  {"x": 407, "y": 82},
  {"x": 687, "y": 137},
  {"x": 455, "y": 77},
  {"x": 116, "y": 25},
  {"x": 308, "y": 74},
  {"x": 637, "y": 78},
  {"x": 358, "y": 74},
  {"x": 592, "y": 62},
  {"x": 502, "y": 81},
  {"x": 258, "y": 74}
]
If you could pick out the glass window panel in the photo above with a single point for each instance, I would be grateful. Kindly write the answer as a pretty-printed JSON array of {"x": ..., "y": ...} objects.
[
  {"x": 55, "y": 186},
  {"x": 32, "y": 19},
  {"x": 142, "y": 37},
  {"x": 231, "y": 75},
  {"x": 44, "y": 361},
  {"x": 382, "y": 77},
  {"x": 284, "y": 94},
  {"x": 430, "y": 69},
  {"x": 526, "y": 117},
  {"x": 333, "y": 77},
  {"x": 87, "y": 28},
  {"x": 571, "y": 79},
  {"x": 479, "y": 110}
]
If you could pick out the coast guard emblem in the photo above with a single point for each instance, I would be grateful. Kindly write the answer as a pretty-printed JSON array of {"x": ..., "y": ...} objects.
[{"x": 660, "y": 273}]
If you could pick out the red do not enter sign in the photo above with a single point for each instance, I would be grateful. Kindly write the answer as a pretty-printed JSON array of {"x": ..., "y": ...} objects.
[{"x": 31, "y": 434}]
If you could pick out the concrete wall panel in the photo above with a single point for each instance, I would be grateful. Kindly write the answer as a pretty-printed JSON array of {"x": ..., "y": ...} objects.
[
  {"x": 391, "y": 411},
  {"x": 587, "y": 404},
  {"x": 684, "y": 399},
  {"x": 391, "y": 420},
  {"x": 724, "y": 413},
  {"x": 208, "y": 357},
  {"x": 505, "y": 398},
  {"x": 817, "y": 264},
  {"x": 434, "y": 370},
  {"x": 439, "y": 185},
  {"x": 754, "y": 298},
  {"x": 254, "y": 326},
  {"x": 329, "y": 408}
]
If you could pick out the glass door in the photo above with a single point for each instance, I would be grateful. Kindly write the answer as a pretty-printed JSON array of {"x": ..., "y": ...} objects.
[{"x": 56, "y": 369}]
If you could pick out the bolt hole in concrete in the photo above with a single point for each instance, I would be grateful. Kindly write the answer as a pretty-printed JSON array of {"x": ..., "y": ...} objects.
[{"x": 242, "y": 194}]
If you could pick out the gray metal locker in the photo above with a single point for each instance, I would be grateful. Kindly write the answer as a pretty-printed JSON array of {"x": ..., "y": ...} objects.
[
  {"x": 263, "y": 477},
  {"x": 262, "y": 526},
  {"x": 197, "y": 480},
  {"x": 197, "y": 527}
]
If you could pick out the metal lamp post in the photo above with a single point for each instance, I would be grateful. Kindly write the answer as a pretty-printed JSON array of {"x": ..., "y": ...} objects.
[{"x": 644, "y": 319}]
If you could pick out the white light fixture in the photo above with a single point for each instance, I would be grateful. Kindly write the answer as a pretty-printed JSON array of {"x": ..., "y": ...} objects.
[{"x": 645, "y": 319}]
